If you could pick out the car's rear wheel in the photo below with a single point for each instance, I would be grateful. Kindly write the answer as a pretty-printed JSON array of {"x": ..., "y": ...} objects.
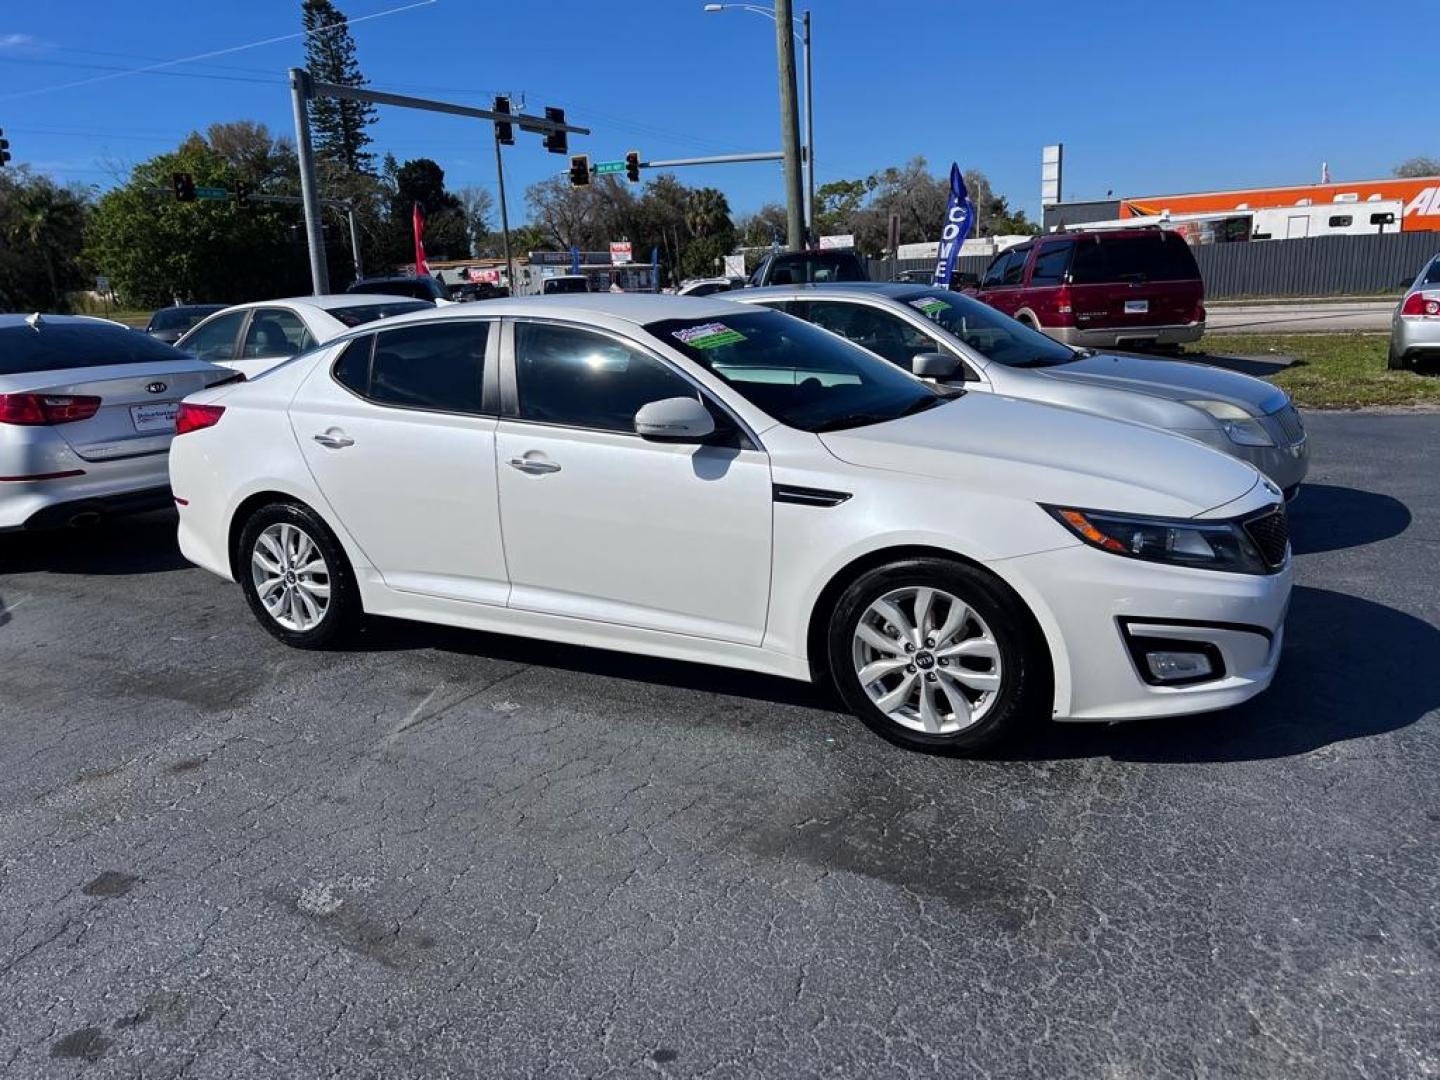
[
  {"x": 296, "y": 578},
  {"x": 1395, "y": 360},
  {"x": 937, "y": 656}
]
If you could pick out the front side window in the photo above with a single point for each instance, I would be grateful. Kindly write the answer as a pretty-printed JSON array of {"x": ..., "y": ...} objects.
[
  {"x": 436, "y": 367},
  {"x": 1015, "y": 268},
  {"x": 214, "y": 340},
  {"x": 993, "y": 335},
  {"x": 1051, "y": 264},
  {"x": 795, "y": 372},
  {"x": 275, "y": 332},
  {"x": 576, "y": 378},
  {"x": 873, "y": 328}
]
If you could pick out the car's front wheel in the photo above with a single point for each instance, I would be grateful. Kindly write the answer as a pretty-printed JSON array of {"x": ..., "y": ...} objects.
[
  {"x": 296, "y": 578},
  {"x": 938, "y": 656}
]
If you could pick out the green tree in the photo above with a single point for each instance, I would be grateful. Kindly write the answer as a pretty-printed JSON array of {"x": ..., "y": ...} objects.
[
  {"x": 339, "y": 126},
  {"x": 836, "y": 205},
  {"x": 42, "y": 229},
  {"x": 156, "y": 250},
  {"x": 447, "y": 235},
  {"x": 1418, "y": 166},
  {"x": 764, "y": 227}
]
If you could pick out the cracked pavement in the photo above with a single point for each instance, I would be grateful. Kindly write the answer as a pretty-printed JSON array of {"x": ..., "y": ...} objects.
[{"x": 449, "y": 854}]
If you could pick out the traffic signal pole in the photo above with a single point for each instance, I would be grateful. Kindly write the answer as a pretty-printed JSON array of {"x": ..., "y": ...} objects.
[
  {"x": 504, "y": 215},
  {"x": 303, "y": 88},
  {"x": 790, "y": 124}
]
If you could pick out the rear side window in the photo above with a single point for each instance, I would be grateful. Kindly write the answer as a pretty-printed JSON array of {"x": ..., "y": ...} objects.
[
  {"x": 63, "y": 346},
  {"x": 1051, "y": 264},
  {"x": 440, "y": 368},
  {"x": 275, "y": 332},
  {"x": 1158, "y": 256},
  {"x": 1432, "y": 275}
]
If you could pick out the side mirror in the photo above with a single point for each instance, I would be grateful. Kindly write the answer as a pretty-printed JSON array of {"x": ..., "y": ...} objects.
[
  {"x": 677, "y": 419},
  {"x": 934, "y": 365}
]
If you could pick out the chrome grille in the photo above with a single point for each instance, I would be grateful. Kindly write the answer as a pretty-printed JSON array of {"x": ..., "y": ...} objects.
[
  {"x": 1290, "y": 424},
  {"x": 1271, "y": 533}
]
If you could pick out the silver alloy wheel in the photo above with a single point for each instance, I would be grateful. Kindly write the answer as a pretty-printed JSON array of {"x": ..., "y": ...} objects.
[
  {"x": 927, "y": 660},
  {"x": 291, "y": 576}
]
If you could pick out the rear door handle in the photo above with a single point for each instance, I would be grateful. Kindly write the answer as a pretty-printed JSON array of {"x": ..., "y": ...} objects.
[
  {"x": 335, "y": 440},
  {"x": 534, "y": 466}
]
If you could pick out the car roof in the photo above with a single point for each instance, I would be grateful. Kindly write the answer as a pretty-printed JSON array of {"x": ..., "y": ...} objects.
[
  {"x": 13, "y": 319},
  {"x": 324, "y": 302},
  {"x": 638, "y": 308},
  {"x": 841, "y": 288}
]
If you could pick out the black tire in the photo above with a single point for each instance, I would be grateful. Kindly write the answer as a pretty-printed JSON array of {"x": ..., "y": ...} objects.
[
  {"x": 343, "y": 611},
  {"x": 1024, "y": 697},
  {"x": 1395, "y": 361},
  {"x": 1026, "y": 320}
]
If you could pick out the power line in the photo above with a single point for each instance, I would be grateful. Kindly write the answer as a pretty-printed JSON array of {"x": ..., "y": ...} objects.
[{"x": 149, "y": 68}]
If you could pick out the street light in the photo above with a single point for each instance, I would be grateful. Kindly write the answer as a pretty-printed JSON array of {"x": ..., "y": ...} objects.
[{"x": 804, "y": 36}]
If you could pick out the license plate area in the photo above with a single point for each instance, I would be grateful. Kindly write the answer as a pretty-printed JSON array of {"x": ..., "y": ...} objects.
[
  {"x": 156, "y": 418},
  {"x": 1137, "y": 307}
]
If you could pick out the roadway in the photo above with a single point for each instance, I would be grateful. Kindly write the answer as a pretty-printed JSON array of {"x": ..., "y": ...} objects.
[{"x": 1299, "y": 316}]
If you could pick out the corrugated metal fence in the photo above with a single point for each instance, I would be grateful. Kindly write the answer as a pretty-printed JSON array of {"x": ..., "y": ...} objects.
[{"x": 1319, "y": 266}]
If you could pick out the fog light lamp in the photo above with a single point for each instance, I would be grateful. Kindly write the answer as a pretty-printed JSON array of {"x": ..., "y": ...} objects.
[{"x": 1178, "y": 666}]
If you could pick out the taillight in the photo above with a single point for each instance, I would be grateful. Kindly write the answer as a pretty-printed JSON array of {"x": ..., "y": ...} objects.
[
  {"x": 1199, "y": 314},
  {"x": 1062, "y": 300},
  {"x": 45, "y": 409},
  {"x": 1419, "y": 304},
  {"x": 193, "y": 417}
]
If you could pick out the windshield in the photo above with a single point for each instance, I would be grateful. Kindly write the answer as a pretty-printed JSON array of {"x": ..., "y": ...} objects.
[
  {"x": 60, "y": 346},
  {"x": 799, "y": 374},
  {"x": 1157, "y": 256},
  {"x": 814, "y": 266},
  {"x": 566, "y": 285},
  {"x": 994, "y": 336},
  {"x": 180, "y": 318},
  {"x": 363, "y": 313}
]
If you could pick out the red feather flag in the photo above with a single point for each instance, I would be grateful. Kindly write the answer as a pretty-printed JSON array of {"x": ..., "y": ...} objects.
[{"x": 417, "y": 221}]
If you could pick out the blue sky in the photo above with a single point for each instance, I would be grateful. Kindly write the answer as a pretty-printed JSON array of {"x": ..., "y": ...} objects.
[{"x": 1153, "y": 97}]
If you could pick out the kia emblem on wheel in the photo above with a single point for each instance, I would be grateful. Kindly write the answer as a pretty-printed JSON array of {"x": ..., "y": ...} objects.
[{"x": 157, "y": 388}]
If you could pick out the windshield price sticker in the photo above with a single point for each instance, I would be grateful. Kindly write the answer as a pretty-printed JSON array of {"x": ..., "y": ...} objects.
[
  {"x": 930, "y": 306},
  {"x": 709, "y": 336}
]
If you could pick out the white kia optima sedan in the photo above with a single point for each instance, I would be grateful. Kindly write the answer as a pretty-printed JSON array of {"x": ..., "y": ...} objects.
[{"x": 705, "y": 481}]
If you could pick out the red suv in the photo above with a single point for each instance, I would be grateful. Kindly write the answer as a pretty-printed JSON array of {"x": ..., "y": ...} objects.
[{"x": 1132, "y": 287}]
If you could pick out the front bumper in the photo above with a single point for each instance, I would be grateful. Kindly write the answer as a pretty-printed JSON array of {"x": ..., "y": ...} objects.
[
  {"x": 1115, "y": 336},
  {"x": 1088, "y": 600}
]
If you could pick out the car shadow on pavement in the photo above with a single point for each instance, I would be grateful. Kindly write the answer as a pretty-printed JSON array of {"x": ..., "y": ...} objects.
[
  {"x": 1326, "y": 517},
  {"x": 384, "y": 635},
  {"x": 1351, "y": 668},
  {"x": 143, "y": 544}
]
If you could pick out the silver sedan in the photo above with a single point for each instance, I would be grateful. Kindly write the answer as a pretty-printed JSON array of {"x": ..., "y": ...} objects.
[
  {"x": 1415, "y": 328},
  {"x": 1245, "y": 417},
  {"x": 87, "y": 412}
]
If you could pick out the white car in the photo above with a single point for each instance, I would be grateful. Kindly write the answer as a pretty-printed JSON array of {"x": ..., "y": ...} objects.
[
  {"x": 706, "y": 481},
  {"x": 87, "y": 412},
  {"x": 252, "y": 338}
]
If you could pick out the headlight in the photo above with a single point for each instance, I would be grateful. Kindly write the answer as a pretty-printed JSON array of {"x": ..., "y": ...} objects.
[
  {"x": 1207, "y": 545},
  {"x": 1239, "y": 426}
]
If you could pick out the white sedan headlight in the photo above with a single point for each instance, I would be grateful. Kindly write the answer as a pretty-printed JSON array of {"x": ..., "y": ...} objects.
[{"x": 1239, "y": 426}]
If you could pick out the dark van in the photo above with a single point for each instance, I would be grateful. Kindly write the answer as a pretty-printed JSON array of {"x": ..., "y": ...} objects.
[{"x": 1103, "y": 289}]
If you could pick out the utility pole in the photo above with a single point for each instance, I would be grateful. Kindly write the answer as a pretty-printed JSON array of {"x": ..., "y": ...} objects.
[
  {"x": 504, "y": 217},
  {"x": 809, "y": 137},
  {"x": 300, "y": 91},
  {"x": 790, "y": 124}
]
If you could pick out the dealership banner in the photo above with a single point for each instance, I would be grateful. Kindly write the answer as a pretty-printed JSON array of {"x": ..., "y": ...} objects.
[{"x": 959, "y": 217}]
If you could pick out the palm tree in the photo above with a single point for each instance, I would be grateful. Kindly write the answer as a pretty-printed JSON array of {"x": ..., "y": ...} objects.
[
  {"x": 707, "y": 213},
  {"x": 44, "y": 222}
]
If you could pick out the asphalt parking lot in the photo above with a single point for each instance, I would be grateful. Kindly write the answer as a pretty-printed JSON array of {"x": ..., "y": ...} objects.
[{"x": 446, "y": 854}]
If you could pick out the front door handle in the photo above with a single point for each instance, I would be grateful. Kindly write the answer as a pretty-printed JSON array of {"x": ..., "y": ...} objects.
[
  {"x": 533, "y": 466},
  {"x": 334, "y": 439}
]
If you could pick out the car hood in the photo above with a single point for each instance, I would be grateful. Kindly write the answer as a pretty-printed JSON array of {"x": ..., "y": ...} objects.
[
  {"x": 1177, "y": 380},
  {"x": 1042, "y": 453}
]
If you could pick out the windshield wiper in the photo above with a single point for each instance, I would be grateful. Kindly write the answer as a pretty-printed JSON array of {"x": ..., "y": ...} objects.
[{"x": 856, "y": 419}]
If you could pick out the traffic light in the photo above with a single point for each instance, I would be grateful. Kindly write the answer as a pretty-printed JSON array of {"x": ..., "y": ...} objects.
[
  {"x": 184, "y": 187},
  {"x": 557, "y": 142},
  {"x": 504, "y": 130},
  {"x": 242, "y": 193},
  {"x": 580, "y": 170},
  {"x": 4, "y": 148},
  {"x": 632, "y": 166}
]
